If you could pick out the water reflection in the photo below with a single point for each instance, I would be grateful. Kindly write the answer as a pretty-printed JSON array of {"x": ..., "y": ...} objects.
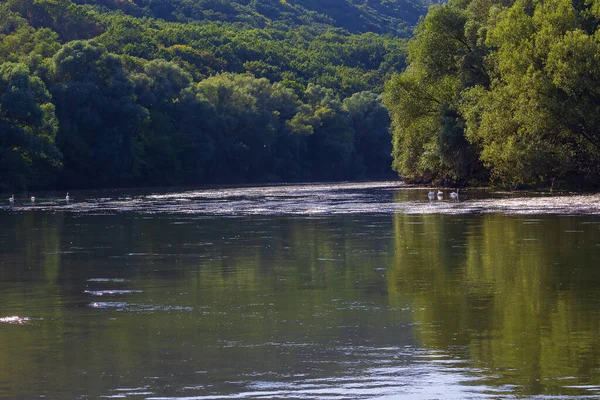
[
  {"x": 520, "y": 295},
  {"x": 140, "y": 305}
]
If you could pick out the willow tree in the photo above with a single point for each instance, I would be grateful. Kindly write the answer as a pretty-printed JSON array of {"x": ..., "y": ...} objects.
[
  {"x": 513, "y": 85},
  {"x": 539, "y": 119},
  {"x": 445, "y": 57}
]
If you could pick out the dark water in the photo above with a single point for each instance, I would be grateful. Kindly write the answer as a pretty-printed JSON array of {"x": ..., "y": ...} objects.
[{"x": 301, "y": 292}]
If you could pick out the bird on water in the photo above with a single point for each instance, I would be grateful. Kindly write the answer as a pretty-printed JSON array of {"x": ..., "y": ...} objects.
[
  {"x": 67, "y": 197},
  {"x": 440, "y": 195},
  {"x": 33, "y": 199},
  {"x": 11, "y": 199},
  {"x": 454, "y": 195},
  {"x": 431, "y": 195}
]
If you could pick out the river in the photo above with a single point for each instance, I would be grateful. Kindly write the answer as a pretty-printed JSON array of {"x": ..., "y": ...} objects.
[{"x": 325, "y": 291}]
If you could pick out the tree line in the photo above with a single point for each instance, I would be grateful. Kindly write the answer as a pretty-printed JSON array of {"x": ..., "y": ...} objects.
[
  {"x": 93, "y": 96},
  {"x": 501, "y": 91}
]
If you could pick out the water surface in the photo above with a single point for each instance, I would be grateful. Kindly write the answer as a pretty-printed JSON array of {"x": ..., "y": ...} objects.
[{"x": 309, "y": 291}]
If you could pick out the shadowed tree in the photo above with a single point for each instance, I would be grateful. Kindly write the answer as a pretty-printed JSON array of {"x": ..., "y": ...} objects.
[
  {"x": 98, "y": 116},
  {"x": 372, "y": 138},
  {"x": 28, "y": 156}
]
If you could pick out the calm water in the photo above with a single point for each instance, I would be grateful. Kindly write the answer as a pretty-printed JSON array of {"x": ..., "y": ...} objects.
[{"x": 300, "y": 292}]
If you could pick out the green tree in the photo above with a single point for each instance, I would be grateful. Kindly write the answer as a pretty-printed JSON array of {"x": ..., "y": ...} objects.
[
  {"x": 445, "y": 58},
  {"x": 250, "y": 126},
  {"x": 28, "y": 155},
  {"x": 99, "y": 119},
  {"x": 175, "y": 145},
  {"x": 331, "y": 146},
  {"x": 70, "y": 21},
  {"x": 372, "y": 138},
  {"x": 538, "y": 121}
]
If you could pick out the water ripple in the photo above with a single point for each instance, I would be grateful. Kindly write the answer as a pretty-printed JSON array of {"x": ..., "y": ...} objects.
[
  {"x": 110, "y": 292},
  {"x": 327, "y": 199},
  {"x": 14, "y": 320},
  {"x": 137, "y": 308}
]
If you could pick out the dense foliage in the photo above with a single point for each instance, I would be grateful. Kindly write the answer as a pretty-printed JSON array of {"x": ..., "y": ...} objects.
[
  {"x": 501, "y": 90},
  {"x": 154, "y": 92},
  {"x": 356, "y": 16}
]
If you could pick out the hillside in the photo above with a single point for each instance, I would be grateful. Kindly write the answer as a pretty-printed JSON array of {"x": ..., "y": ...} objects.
[
  {"x": 158, "y": 92},
  {"x": 396, "y": 17}
]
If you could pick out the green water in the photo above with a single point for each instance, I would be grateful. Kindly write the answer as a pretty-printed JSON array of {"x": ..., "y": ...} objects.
[{"x": 127, "y": 304}]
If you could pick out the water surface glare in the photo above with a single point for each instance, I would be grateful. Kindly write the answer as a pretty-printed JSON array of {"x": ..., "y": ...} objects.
[
  {"x": 349, "y": 291},
  {"x": 316, "y": 199}
]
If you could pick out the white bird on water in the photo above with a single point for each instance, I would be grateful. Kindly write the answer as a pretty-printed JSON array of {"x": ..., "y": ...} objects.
[
  {"x": 454, "y": 195},
  {"x": 67, "y": 197},
  {"x": 431, "y": 195},
  {"x": 11, "y": 199},
  {"x": 33, "y": 199},
  {"x": 440, "y": 195}
]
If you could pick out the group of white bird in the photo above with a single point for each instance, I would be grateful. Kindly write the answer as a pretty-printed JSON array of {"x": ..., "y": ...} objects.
[
  {"x": 440, "y": 195},
  {"x": 11, "y": 199}
]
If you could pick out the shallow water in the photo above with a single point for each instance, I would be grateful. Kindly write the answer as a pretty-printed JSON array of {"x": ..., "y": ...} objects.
[{"x": 300, "y": 292}]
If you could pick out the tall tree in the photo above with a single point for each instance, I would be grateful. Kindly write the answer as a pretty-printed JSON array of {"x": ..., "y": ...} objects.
[
  {"x": 250, "y": 124},
  {"x": 98, "y": 116},
  {"x": 28, "y": 155},
  {"x": 445, "y": 57},
  {"x": 538, "y": 121},
  {"x": 372, "y": 138}
]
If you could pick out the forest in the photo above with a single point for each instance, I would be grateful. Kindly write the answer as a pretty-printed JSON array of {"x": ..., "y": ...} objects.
[
  {"x": 505, "y": 92},
  {"x": 112, "y": 93}
]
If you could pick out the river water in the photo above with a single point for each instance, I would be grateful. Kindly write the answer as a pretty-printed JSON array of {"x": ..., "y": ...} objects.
[{"x": 341, "y": 291}]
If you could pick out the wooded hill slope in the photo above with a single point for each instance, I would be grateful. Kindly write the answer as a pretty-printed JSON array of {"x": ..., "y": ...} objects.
[
  {"x": 396, "y": 17},
  {"x": 158, "y": 92}
]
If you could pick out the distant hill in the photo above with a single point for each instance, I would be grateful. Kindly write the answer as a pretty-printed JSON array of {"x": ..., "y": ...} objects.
[
  {"x": 345, "y": 45},
  {"x": 396, "y": 17}
]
